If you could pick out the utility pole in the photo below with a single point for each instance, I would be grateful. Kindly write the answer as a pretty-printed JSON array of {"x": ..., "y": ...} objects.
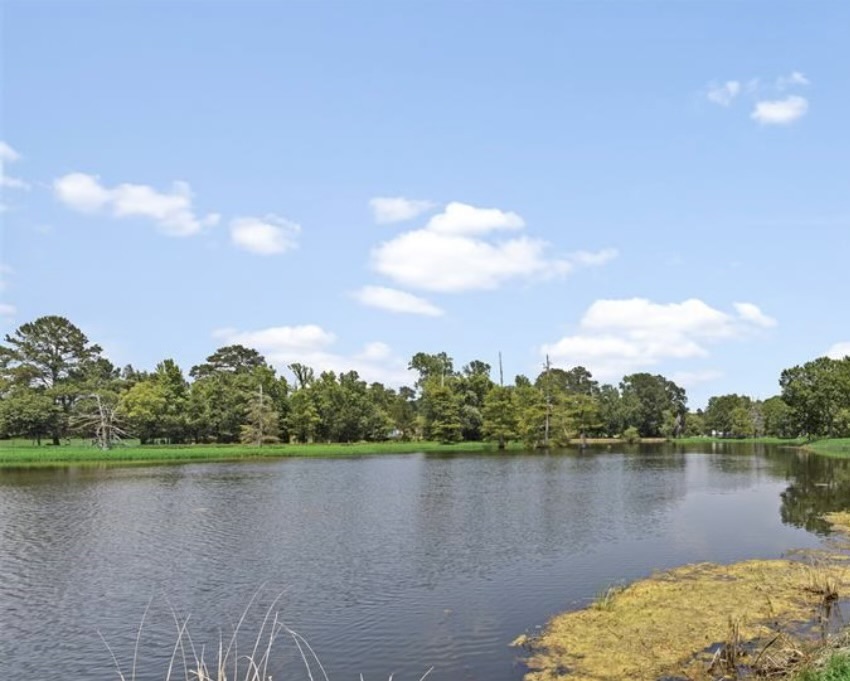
[{"x": 501, "y": 375}]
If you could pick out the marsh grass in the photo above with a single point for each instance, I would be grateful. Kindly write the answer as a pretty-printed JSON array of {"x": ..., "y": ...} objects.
[
  {"x": 836, "y": 447},
  {"x": 605, "y": 598},
  {"x": 834, "y": 667},
  {"x": 190, "y": 662},
  {"x": 18, "y": 454},
  {"x": 699, "y": 621}
]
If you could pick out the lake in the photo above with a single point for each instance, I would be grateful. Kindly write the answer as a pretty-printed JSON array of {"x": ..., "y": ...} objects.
[{"x": 385, "y": 564}]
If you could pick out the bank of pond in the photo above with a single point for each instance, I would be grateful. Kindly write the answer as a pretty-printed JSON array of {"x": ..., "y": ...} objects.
[{"x": 25, "y": 453}]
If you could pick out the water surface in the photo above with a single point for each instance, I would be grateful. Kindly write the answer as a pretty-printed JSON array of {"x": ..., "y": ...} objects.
[{"x": 387, "y": 564}]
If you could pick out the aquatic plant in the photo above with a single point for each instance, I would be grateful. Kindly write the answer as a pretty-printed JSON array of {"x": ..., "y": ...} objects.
[{"x": 189, "y": 662}]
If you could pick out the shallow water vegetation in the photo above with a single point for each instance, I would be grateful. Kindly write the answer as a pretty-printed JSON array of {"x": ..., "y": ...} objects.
[
  {"x": 837, "y": 668},
  {"x": 191, "y": 662},
  {"x": 697, "y": 622}
]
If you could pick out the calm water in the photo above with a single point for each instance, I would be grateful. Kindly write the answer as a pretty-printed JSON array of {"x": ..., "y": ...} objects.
[{"x": 388, "y": 564}]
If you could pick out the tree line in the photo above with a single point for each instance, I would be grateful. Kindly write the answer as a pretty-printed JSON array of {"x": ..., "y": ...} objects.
[{"x": 55, "y": 383}]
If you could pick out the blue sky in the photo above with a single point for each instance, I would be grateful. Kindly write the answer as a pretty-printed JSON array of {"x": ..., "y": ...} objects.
[{"x": 629, "y": 186}]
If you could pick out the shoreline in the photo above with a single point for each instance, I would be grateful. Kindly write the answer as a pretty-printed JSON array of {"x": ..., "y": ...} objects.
[
  {"x": 702, "y": 621},
  {"x": 28, "y": 455}
]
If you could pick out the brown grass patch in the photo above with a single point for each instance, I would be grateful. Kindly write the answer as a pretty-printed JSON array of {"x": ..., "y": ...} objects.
[{"x": 695, "y": 622}]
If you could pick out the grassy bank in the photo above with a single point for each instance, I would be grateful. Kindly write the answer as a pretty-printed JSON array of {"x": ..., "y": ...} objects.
[
  {"x": 838, "y": 447},
  {"x": 791, "y": 442},
  {"x": 707, "y": 621},
  {"x": 19, "y": 453}
]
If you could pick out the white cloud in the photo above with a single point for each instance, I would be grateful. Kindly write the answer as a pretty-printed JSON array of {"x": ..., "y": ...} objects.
[
  {"x": 794, "y": 78},
  {"x": 839, "y": 350},
  {"x": 621, "y": 336},
  {"x": 430, "y": 261},
  {"x": 751, "y": 313},
  {"x": 780, "y": 111},
  {"x": 81, "y": 192},
  {"x": 389, "y": 209},
  {"x": 396, "y": 301},
  {"x": 312, "y": 345},
  {"x": 172, "y": 211},
  {"x": 457, "y": 251},
  {"x": 7, "y": 310},
  {"x": 265, "y": 236},
  {"x": 594, "y": 259},
  {"x": 464, "y": 220},
  {"x": 723, "y": 94},
  {"x": 9, "y": 155}
]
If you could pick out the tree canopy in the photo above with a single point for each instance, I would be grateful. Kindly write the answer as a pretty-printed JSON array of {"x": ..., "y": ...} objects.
[{"x": 55, "y": 383}]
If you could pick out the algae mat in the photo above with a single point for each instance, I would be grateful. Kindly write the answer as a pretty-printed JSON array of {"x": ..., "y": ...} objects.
[{"x": 670, "y": 624}]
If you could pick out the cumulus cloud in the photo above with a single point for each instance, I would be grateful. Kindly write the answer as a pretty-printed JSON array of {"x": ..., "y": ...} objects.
[
  {"x": 458, "y": 250},
  {"x": 264, "y": 236},
  {"x": 312, "y": 345},
  {"x": 389, "y": 209},
  {"x": 839, "y": 350},
  {"x": 7, "y": 156},
  {"x": 751, "y": 313},
  {"x": 396, "y": 301},
  {"x": 723, "y": 94},
  {"x": 780, "y": 111},
  {"x": 464, "y": 220},
  {"x": 171, "y": 211},
  {"x": 617, "y": 337}
]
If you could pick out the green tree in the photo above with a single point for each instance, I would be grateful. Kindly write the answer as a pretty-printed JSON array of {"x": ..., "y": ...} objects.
[
  {"x": 816, "y": 392},
  {"x": 531, "y": 414},
  {"x": 441, "y": 411},
  {"x": 500, "y": 415},
  {"x": 645, "y": 399},
  {"x": 439, "y": 366},
  {"x": 223, "y": 387},
  {"x": 778, "y": 418},
  {"x": 720, "y": 413},
  {"x": 25, "y": 412},
  {"x": 261, "y": 421},
  {"x": 694, "y": 424},
  {"x": 303, "y": 420},
  {"x": 52, "y": 355},
  {"x": 158, "y": 406}
]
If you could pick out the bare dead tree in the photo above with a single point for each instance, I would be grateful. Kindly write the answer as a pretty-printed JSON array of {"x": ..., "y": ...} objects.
[{"x": 103, "y": 421}]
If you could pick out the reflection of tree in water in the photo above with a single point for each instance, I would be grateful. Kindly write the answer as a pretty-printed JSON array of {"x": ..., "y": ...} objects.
[{"x": 817, "y": 485}]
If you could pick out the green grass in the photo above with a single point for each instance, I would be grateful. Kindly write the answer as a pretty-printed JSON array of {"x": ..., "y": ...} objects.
[
  {"x": 793, "y": 442},
  {"x": 16, "y": 453},
  {"x": 838, "y": 447},
  {"x": 837, "y": 668}
]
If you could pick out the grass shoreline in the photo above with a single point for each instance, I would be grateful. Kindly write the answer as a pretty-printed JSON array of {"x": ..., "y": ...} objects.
[
  {"x": 19, "y": 453},
  {"x": 702, "y": 621}
]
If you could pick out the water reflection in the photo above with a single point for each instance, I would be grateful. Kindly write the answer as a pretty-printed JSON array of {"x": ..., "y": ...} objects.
[{"x": 386, "y": 563}]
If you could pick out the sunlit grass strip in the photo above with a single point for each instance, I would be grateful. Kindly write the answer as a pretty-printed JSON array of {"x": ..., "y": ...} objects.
[
  {"x": 79, "y": 454},
  {"x": 791, "y": 442},
  {"x": 837, "y": 447}
]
